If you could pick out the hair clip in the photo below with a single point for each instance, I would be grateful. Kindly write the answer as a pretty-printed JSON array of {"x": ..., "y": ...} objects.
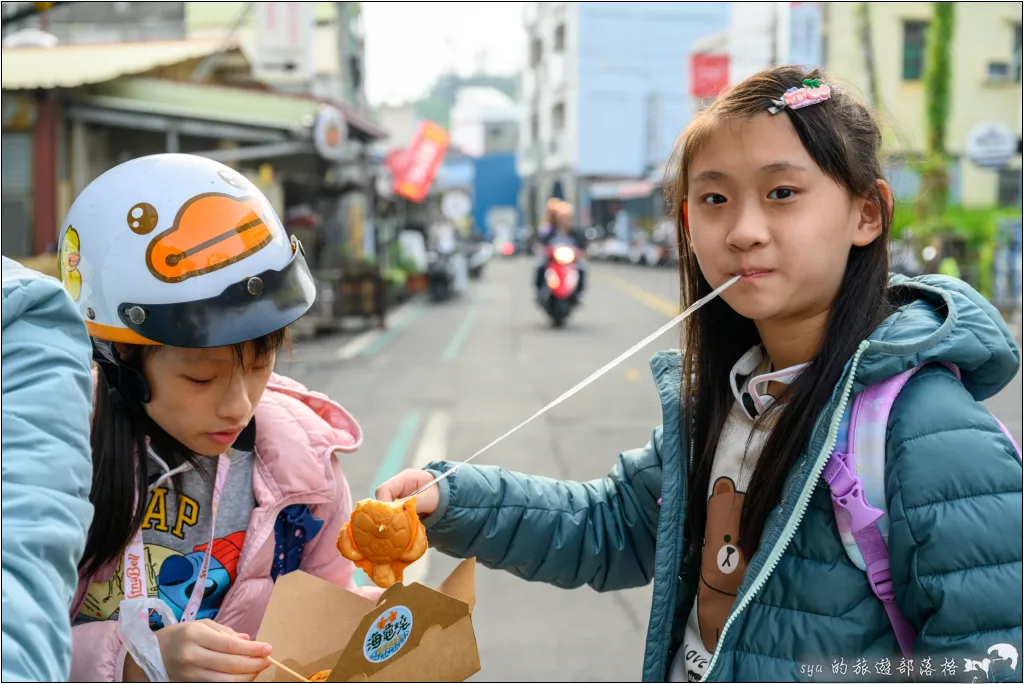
[{"x": 812, "y": 91}]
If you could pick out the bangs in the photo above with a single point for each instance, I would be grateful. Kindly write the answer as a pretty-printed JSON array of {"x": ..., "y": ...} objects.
[
  {"x": 261, "y": 349},
  {"x": 677, "y": 171}
]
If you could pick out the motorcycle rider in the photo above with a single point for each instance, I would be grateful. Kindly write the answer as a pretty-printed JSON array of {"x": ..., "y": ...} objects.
[{"x": 560, "y": 216}]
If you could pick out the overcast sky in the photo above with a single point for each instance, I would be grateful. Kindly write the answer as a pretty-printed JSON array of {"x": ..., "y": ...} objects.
[{"x": 408, "y": 44}]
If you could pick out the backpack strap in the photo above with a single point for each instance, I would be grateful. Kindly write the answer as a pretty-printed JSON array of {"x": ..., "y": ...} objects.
[
  {"x": 855, "y": 474},
  {"x": 855, "y": 516}
]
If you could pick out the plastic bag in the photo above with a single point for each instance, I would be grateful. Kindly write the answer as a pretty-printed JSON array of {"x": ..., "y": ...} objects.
[{"x": 141, "y": 642}]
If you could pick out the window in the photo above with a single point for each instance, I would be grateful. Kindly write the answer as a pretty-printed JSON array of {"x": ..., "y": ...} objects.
[
  {"x": 534, "y": 128},
  {"x": 913, "y": 49},
  {"x": 1009, "y": 194},
  {"x": 536, "y": 52},
  {"x": 560, "y": 38},
  {"x": 998, "y": 71},
  {"x": 1016, "y": 52},
  {"x": 558, "y": 117}
]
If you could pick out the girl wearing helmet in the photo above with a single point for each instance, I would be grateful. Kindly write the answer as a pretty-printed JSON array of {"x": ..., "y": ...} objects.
[{"x": 212, "y": 475}]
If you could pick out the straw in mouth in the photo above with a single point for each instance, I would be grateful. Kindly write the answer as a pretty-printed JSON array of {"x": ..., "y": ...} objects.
[{"x": 593, "y": 377}]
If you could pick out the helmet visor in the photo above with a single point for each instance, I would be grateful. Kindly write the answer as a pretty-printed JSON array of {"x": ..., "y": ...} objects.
[{"x": 246, "y": 310}]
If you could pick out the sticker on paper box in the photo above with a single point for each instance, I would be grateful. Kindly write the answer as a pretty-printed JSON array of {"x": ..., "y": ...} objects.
[{"x": 388, "y": 634}]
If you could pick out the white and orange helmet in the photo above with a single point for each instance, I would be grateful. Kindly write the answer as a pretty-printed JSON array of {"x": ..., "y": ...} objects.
[{"x": 181, "y": 250}]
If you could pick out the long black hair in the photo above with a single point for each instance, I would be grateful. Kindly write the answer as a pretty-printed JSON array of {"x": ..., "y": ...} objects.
[
  {"x": 120, "y": 427},
  {"x": 843, "y": 138}
]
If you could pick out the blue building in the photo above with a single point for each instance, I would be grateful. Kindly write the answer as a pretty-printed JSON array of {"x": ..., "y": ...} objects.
[
  {"x": 605, "y": 92},
  {"x": 495, "y": 193}
]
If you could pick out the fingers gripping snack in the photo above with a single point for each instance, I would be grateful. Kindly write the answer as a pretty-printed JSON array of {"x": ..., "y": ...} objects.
[{"x": 383, "y": 539}]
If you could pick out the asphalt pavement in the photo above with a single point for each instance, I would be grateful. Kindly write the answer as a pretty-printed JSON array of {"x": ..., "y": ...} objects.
[{"x": 446, "y": 379}]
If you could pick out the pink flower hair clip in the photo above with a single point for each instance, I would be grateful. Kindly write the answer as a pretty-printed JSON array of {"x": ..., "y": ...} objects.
[{"x": 812, "y": 91}]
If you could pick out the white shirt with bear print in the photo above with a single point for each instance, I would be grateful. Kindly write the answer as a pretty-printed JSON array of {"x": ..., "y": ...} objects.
[{"x": 722, "y": 563}]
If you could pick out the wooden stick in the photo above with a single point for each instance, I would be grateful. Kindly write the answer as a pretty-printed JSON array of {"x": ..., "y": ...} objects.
[{"x": 287, "y": 669}]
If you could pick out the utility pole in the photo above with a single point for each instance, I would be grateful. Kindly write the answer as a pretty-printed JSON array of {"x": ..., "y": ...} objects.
[
  {"x": 538, "y": 83},
  {"x": 653, "y": 132}
]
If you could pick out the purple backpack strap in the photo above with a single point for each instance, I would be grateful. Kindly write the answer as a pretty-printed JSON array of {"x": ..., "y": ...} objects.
[{"x": 848, "y": 494}]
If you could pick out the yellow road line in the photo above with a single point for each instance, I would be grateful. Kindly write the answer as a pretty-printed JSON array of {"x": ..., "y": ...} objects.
[{"x": 650, "y": 299}]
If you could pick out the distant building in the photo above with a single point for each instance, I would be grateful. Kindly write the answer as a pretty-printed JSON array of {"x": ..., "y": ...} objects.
[
  {"x": 484, "y": 121},
  {"x": 496, "y": 194},
  {"x": 604, "y": 94},
  {"x": 336, "y": 48},
  {"x": 986, "y": 55},
  {"x": 986, "y": 79},
  {"x": 104, "y": 22}
]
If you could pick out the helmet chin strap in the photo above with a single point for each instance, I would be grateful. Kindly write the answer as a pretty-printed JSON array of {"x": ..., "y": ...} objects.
[
  {"x": 124, "y": 383},
  {"x": 129, "y": 387}
]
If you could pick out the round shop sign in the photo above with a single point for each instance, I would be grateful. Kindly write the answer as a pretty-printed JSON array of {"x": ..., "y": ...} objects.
[
  {"x": 990, "y": 144},
  {"x": 387, "y": 634},
  {"x": 329, "y": 133},
  {"x": 456, "y": 205}
]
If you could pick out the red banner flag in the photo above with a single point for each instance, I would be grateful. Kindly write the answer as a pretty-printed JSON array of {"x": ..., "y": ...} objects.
[{"x": 420, "y": 162}]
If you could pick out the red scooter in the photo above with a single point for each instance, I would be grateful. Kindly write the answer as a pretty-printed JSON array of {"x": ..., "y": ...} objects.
[{"x": 561, "y": 280}]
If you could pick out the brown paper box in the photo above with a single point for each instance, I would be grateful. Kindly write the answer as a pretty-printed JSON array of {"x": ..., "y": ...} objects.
[{"x": 412, "y": 634}]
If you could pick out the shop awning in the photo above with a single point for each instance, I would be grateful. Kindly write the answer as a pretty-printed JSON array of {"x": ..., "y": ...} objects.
[
  {"x": 113, "y": 76},
  {"x": 73, "y": 66},
  {"x": 228, "y": 105}
]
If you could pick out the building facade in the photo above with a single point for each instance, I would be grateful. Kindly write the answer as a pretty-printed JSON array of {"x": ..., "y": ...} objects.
[
  {"x": 604, "y": 94},
  {"x": 115, "y": 81},
  {"x": 986, "y": 86},
  {"x": 986, "y": 79}
]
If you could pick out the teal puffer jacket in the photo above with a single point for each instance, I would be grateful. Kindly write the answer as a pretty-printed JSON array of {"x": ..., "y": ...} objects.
[
  {"x": 953, "y": 484},
  {"x": 47, "y": 471}
]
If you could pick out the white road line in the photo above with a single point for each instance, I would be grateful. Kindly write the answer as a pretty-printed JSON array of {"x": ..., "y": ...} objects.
[
  {"x": 358, "y": 344},
  {"x": 433, "y": 446},
  {"x": 434, "y": 442}
]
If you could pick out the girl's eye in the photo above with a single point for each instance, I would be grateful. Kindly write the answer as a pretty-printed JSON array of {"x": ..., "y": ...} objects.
[
  {"x": 713, "y": 198},
  {"x": 781, "y": 193},
  {"x": 199, "y": 381}
]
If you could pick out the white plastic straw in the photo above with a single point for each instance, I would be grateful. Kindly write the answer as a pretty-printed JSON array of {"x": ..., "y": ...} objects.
[{"x": 593, "y": 377}]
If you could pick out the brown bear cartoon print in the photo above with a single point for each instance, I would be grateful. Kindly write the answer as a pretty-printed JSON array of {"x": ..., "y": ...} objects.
[{"x": 722, "y": 563}]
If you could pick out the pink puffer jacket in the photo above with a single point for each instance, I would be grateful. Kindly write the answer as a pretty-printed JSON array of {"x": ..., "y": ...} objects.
[{"x": 298, "y": 432}]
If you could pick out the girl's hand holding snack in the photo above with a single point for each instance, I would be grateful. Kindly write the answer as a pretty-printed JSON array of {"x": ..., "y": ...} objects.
[
  {"x": 404, "y": 484},
  {"x": 204, "y": 651}
]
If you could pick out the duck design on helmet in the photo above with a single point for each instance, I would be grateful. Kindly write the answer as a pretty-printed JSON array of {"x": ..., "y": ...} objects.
[{"x": 181, "y": 250}]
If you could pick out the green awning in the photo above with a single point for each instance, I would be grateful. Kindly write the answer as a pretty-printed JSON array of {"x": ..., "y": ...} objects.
[
  {"x": 220, "y": 103},
  {"x": 204, "y": 102}
]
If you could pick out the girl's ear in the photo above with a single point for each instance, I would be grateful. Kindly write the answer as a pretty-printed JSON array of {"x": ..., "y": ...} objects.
[
  {"x": 870, "y": 221},
  {"x": 686, "y": 228}
]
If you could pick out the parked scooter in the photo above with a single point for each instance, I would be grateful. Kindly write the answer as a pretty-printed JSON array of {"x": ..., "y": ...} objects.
[
  {"x": 440, "y": 276},
  {"x": 479, "y": 253}
]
